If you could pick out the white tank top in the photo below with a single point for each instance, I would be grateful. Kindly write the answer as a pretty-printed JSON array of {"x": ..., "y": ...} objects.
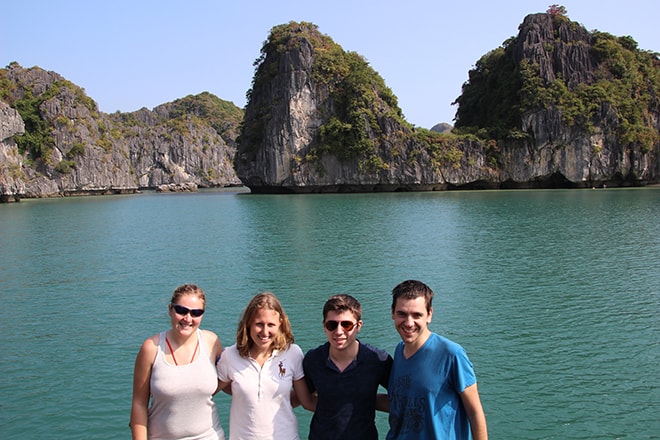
[{"x": 181, "y": 398}]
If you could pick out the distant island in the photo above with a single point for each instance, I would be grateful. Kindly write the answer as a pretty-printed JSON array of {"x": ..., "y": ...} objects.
[{"x": 556, "y": 106}]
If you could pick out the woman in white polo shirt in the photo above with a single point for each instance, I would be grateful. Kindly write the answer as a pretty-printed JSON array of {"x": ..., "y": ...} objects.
[{"x": 262, "y": 367}]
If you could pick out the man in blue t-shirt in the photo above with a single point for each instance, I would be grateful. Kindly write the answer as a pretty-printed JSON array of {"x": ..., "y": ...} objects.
[{"x": 433, "y": 389}]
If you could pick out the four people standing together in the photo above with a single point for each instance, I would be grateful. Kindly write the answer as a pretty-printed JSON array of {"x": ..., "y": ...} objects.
[{"x": 431, "y": 385}]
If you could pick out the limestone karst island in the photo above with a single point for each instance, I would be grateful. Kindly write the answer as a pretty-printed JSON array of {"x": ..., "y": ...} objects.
[{"x": 556, "y": 106}]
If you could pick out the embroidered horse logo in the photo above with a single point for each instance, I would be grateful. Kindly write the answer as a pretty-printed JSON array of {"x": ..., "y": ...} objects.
[{"x": 282, "y": 369}]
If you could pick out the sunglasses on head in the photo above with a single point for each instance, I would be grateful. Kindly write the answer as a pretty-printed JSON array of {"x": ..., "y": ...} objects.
[
  {"x": 183, "y": 311},
  {"x": 346, "y": 325}
]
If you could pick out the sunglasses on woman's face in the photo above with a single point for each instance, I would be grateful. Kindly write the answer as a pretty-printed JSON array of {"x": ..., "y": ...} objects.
[
  {"x": 346, "y": 325},
  {"x": 183, "y": 311}
]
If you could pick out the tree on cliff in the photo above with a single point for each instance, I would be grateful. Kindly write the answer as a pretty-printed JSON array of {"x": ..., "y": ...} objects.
[{"x": 557, "y": 10}]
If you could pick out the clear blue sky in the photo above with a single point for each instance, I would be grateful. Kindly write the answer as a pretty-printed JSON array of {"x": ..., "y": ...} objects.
[{"x": 142, "y": 53}]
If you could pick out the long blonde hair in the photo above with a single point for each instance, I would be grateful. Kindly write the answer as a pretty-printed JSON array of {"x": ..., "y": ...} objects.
[{"x": 268, "y": 301}]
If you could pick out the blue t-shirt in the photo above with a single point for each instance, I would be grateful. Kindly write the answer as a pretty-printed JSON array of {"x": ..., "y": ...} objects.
[
  {"x": 424, "y": 392},
  {"x": 346, "y": 405}
]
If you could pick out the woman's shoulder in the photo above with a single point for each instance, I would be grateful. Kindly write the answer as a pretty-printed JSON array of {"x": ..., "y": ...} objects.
[
  {"x": 149, "y": 347},
  {"x": 209, "y": 335},
  {"x": 153, "y": 340},
  {"x": 292, "y": 349},
  {"x": 230, "y": 355},
  {"x": 211, "y": 340},
  {"x": 232, "y": 349}
]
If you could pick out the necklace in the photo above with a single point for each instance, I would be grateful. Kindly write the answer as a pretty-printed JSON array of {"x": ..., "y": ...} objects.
[{"x": 172, "y": 351}]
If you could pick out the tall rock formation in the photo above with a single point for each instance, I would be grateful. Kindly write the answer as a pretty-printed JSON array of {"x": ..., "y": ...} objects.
[
  {"x": 321, "y": 120},
  {"x": 538, "y": 112},
  {"x": 70, "y": 148},
  {"x": 581, "y": 109}
]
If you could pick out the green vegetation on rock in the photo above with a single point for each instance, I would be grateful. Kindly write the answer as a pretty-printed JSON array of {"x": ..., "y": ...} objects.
[
  {"x": 489, "y": 105},
  {"x": 358, "y": 95},
  {"x": 221, "y": 115},
  {"x": 360, "y": 99},
  {"x": 500, "y": 92},
  {"x": 37, "y": 139}
]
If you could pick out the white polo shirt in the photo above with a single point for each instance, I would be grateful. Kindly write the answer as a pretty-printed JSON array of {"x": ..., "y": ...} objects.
[{"x": 261, "y": 397}]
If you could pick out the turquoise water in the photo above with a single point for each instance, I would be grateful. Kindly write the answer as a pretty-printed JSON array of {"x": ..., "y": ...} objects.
[{"x": 555, "y": 295}]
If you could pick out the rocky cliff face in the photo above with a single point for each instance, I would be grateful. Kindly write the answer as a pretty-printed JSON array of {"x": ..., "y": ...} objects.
[
  {"x": 560, "y": 49},
  {"x": 284, "y": 145},
  {"x": 556, "y": 106},
  {"x": 568, "y": 157},
  {"x": 11, "y": 125},
  {"x": 71, "y": 148},
  {"x": 596, "y": 152}
]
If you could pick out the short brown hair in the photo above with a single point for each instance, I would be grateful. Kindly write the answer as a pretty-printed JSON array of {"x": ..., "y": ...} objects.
[{"x": 341, "y": 303}]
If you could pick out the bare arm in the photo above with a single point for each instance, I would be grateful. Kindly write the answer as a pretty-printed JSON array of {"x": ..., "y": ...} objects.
[
  {"x": 222, "y": 386},
  {"x": 303, "y": 395},
  {"x": 141, "y": 387},
  {"x": 295, "y": 403},
  {"x": 382, "y": 402},
  {"x": 227, "y": 389},
  {"x": 475, "y": 412}
]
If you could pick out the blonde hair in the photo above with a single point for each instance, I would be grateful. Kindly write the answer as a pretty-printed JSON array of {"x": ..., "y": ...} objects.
[
  {"x": 267, "y": 301},
  {"x": 188, "y": 289}
]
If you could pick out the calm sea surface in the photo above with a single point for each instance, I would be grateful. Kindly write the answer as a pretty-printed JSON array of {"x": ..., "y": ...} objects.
[{"x": 554, "y": 294}]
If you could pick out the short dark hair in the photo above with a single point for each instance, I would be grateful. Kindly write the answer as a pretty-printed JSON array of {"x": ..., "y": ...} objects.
[
  {"x": 411, "y": 289},
  {"x": 341, "y": 303}
]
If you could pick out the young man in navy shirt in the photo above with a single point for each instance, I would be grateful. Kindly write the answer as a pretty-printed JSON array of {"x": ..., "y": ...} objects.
[{"x": 345, "y": 374}]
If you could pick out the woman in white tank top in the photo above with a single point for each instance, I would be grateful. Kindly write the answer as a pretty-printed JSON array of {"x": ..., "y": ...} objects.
[{"x": 174, "y": 378}]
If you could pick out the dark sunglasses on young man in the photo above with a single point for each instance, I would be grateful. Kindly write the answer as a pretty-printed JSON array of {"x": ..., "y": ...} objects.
[
  {"x": 183, "y": 311},
  {"x": 346, "y": 325}
]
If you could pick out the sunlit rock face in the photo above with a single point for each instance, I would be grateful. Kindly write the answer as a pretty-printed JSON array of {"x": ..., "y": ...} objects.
[
  {"x": 85, "y": 151},
  {"x": 282, "y": 146}
]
